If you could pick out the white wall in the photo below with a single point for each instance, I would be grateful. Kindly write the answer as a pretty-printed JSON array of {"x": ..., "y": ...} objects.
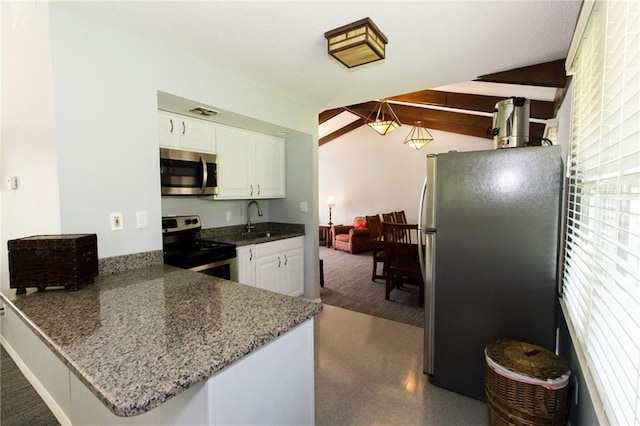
[
  {"x": 95, "y": 94},
  {"x": 368, "y": 173},
  {"x": 28, "y": 130}
]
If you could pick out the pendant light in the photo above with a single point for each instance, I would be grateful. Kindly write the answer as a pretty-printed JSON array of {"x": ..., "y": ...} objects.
[
  {"x": 418, "y": 137},
  {"x": 382, "y": 119}
]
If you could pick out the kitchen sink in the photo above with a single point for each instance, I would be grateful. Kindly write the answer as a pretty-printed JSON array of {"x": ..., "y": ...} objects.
[{"x": 260, "y": 234}]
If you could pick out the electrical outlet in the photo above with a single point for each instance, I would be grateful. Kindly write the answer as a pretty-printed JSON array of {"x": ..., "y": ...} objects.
[
  {"x": 304, "y": 207},
  {"x": 116, "y": 221},
  {"x": 228, "y": 215}
]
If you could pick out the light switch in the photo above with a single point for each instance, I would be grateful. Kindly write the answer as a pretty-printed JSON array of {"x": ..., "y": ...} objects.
[
  {"x": 142, "y": 220},
  {"x": 304, "y": 207},
  {"x": 12, "y": 182}
]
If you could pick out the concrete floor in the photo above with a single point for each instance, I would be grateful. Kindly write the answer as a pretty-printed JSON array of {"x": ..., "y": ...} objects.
[{"x": 369, "y": 371}]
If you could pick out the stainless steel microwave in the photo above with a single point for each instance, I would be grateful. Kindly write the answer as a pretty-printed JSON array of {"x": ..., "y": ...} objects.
[{"x": 188, "y": 173}]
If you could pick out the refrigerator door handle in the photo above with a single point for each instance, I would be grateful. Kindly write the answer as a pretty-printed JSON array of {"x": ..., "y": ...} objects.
[{"x": 421, "y": 229}]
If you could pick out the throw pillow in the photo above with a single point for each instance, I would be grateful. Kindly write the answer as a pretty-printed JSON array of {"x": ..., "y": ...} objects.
[{"x": 360, "y": 223}]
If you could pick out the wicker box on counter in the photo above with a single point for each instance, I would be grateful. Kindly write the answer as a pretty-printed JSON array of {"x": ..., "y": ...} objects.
[{"x": 69, "y": 260}]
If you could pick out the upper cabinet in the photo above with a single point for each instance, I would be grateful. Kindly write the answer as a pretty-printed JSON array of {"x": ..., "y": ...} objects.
[
  {"x": 179, "y": 132},
  {"x": 250, "y": 165}
]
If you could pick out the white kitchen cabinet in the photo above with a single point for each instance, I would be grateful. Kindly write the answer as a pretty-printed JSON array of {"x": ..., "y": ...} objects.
[
  {"x": 250, "y": 165},
  {"x": 269, "y": 166},
  {"x": 189, "y": 134},
  {"x": 246, "y": 265},
  {"x": 279, "y": 266}
]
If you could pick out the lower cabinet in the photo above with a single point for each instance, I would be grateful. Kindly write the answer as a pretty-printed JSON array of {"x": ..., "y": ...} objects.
[
  {"x": 277, "y": 266},
  {"x": 246, "y": 258}
]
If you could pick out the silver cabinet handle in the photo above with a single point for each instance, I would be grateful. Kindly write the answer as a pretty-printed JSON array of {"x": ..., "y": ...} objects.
[
  {"x": 251, "y": 186},
  {"x": 258, "y": 189},
  {"x": 279, "y": 262},
  {"x": 250, "y": 255},
  {"x": 184, "y": 128},
  {"x": 285, "y": 260},
  {"x": 171, "y": 122}
]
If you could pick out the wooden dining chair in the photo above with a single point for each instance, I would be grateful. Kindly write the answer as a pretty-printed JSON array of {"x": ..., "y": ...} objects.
[
  {"x": 401, "y": 262},
  {"x": 378, "y": 250}
]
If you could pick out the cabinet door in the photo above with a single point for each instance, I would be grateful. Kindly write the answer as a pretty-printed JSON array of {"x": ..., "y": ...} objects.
[
  {"x": 270, "y": 167},
  {"x": 235, "y": 163},
  {"x": 197, "y": 135},
  {"x": 268, "y": 271},
  {"x": 292, "y": 276},
  {"x": 168, "y": 130},
  {"x": 246, "y": 265}
]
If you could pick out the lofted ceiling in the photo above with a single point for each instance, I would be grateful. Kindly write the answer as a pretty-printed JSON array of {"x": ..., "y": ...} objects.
[
  {"x": 280, "y": 46},
  {"x": 465, "y": 108}
]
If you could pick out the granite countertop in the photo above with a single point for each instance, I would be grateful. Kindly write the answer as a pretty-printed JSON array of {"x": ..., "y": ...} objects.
[
  {"x": 264, "y": 232},
  {"x": 140, "y": 337}
]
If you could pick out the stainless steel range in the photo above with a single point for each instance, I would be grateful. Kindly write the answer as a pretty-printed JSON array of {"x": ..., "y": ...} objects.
[{"x": 183, "y": 247}]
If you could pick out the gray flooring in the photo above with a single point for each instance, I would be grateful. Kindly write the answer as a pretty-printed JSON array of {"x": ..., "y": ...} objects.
[
  {"x": 369, "y": 372},
  {"x": 20, "y": 404},
  {"x": 348, "y": 285}
]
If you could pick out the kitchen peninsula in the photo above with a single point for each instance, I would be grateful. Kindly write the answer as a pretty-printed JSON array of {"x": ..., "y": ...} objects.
[{"x": 161, "y": 345}]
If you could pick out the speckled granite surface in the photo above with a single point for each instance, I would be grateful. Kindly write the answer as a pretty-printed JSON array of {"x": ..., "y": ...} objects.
[
  {"x": 237, "y": 235},
  {"x": 111, "y": 265},
  {"x": 140, "y": 337}
]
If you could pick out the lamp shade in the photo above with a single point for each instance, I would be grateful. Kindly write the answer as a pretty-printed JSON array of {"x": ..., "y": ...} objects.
[
  {"x": 330, "y": 201},
  {"x": 382, "y": 119},
  {"x": 418, "y": 137},
  {"x": 357, "y": 43}
]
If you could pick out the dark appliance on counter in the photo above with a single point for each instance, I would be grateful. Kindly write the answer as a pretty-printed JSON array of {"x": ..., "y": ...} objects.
[
  {"x": 490, "y": 222},
  {"x": 184, "y": 248},
  {"x": 188, "y": 173}
]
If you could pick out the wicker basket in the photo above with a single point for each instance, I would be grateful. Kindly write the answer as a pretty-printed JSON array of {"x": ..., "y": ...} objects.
[
  {"x": 525, "y": 384},
  {"x": 69, "y": 260}
]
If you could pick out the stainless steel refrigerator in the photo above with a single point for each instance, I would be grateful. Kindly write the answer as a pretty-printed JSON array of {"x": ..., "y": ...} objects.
[{"x": 490, "y": 221}]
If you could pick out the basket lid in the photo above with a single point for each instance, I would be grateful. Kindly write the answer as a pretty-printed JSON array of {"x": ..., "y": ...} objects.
[{"x": 527, "y": 363}]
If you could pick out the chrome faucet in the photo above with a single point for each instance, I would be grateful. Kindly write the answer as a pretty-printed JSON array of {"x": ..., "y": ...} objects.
[{"x": 249, "y": 226}]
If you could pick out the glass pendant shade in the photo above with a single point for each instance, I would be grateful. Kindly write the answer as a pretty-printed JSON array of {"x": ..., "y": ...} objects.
[
  {"x": 382, "y": 119},
  {"x": 418, "y": 137}
]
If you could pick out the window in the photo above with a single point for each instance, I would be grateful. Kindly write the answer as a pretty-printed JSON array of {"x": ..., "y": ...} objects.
[{"x": 601, "y": 282}]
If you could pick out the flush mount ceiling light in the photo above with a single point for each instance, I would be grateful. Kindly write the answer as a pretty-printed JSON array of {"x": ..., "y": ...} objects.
[
  {"x": 418, "y": 137},
  {"x": 382, "y": 119},
  {"x": 357, "y": 43},
  {"x": 203, "y": 111}
]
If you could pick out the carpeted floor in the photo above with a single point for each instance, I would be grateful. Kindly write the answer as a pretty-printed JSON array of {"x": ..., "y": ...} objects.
[
  {"x": 348, "y": 285},
  {"x": 20, "y": 404}
]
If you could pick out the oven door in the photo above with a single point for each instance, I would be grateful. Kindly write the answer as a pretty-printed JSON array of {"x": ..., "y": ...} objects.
[
  {"x": 226, "y": 269},
  {"x": 188, "y": 173}
]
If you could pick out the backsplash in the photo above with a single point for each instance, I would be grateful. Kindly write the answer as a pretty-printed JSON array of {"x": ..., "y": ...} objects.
[{"x": 111, "y": 265}]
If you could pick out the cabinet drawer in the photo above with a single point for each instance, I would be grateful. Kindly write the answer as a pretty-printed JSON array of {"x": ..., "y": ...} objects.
[{"x": 273, "y": 247}]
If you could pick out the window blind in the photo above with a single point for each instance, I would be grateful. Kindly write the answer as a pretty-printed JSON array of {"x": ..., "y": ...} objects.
[{"x": 601, "y": 279}]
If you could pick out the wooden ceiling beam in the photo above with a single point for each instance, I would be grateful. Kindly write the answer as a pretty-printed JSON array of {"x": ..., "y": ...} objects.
[
  {"x": 341, "y": 131},
  {"x": 538, "y": 109},
  {"x": 547, "y": 74},
  {"x": 327, "y": 115},
  {"x": 455, "y": 122}
]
